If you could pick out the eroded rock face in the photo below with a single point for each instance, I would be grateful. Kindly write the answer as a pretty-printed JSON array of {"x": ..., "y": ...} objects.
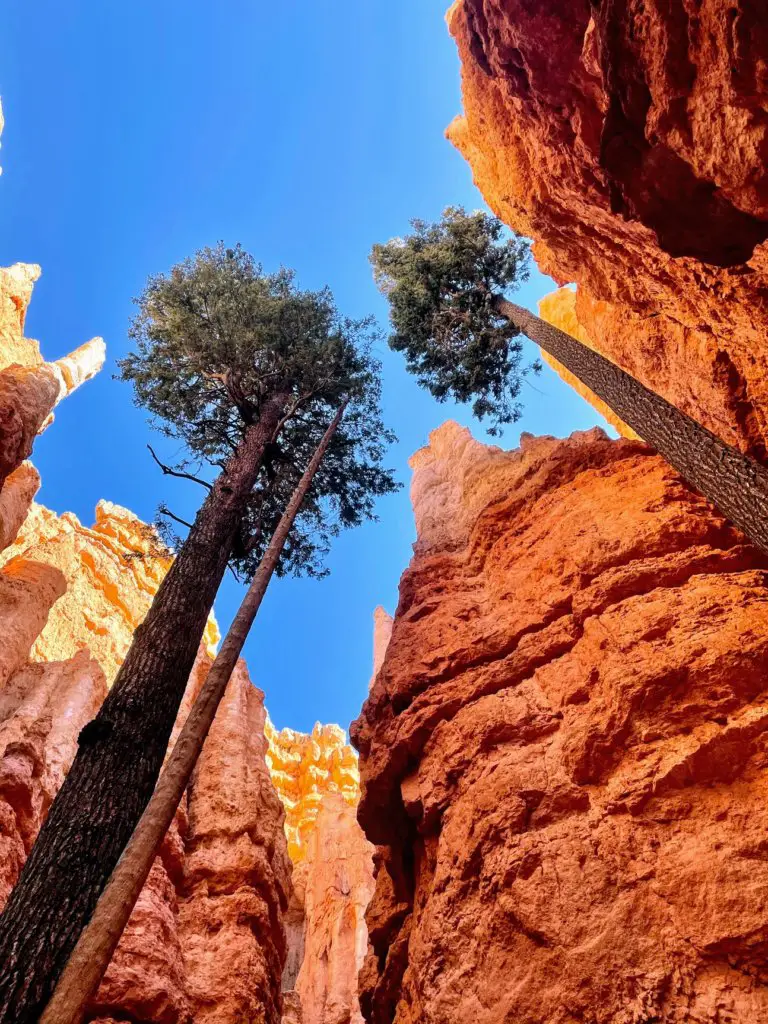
[
  {"x": 304, "y": 767},
  {"x": 317, "y": 780},
  {"x": 334, "y": 884},
  {"x": 629, "y": 140},
  {"x": 563, "y": 754},
  {"x": 112, "y": 569},
  {"x": 29, "y": 387}
]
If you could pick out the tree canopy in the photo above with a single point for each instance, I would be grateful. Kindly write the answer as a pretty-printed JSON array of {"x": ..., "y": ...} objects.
[
  {"x": 441, "y": 281},
  {"x": 214, "y": 338}
]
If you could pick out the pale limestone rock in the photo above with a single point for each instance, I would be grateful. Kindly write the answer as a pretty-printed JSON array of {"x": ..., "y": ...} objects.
[
  {"x": 113, "y": 570},
  {"x": 304, "y": 767},
  {"x": 28, "y": 590},
  {"x": 382, "y": 633},
  {"x": 16, "y": 284},
  {"x": 42, "y": 709}
]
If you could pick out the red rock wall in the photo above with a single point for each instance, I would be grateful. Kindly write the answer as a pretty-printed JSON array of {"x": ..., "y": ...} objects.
[
  {"x": 629, "y": 139},
  {"x": 563, "y": 753}
]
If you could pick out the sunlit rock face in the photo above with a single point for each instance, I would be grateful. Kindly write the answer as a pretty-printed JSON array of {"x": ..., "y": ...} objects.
[
  {"x": 316, "y": 777},
  {"x": 563, "y": 753},
  {"x": 113, "y": 570},
  {"x": 304, "y": 767},
  {"x": 29, "y": 387},
  {"x": 629, "y": 140}
]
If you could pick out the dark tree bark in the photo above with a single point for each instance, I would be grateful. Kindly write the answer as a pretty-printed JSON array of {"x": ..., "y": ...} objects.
[
  {"x": 93, "y": 952},
  {"x": 121, "y": 751},
  {"x": 735, "y": 483}
]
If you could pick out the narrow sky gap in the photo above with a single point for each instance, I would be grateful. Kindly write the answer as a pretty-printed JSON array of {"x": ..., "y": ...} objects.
[{"x": 307, "y": 132}]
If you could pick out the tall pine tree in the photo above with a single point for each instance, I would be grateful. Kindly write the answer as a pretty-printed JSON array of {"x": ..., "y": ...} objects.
[{"x": 246, "y": 370}]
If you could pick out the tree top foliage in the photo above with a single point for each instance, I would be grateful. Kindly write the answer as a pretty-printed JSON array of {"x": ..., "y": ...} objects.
[
  {"x": 214, "y": 338},
  {"x": 440, "y": 282}
]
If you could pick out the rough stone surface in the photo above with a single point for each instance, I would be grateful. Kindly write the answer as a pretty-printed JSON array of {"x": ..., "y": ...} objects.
[
  {"x": 28, "y": 395},
  {"x": 15, "y": 502},
  {"x": 236, "y": 869},
  {"x": 382, "y": 633},
  {"x": 563, "y": 754},
  {"x": 304, "y": 767},
  {"x": 334, "y": 884},
  {"x": 112, "y": 569},
  {"x": 629, "y": 140},
  {"x": 42, "y": 709}
]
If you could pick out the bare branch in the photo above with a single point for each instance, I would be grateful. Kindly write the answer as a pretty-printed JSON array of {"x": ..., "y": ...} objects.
[
  {"x": 167, "y": 471},
  {"x": 165, "y": 511}
]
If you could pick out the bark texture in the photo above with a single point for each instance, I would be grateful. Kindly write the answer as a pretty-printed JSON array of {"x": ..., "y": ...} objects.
[
  {"x": 99, "y": 940},
  {"x": 734, "y": 482},
  {"x": 121, "y": 751}
]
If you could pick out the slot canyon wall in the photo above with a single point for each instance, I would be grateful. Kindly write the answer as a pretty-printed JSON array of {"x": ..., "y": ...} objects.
[
  {"x": 563, "y": 752},
  {"x": 630, "y": 142},
  {"x": 219, "y": 916}
]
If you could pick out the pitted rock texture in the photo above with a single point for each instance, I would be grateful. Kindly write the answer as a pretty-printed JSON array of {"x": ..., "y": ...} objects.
[
  {"x": 304, "y": 767},
  {"x": 206, "y": 943},
  {"x": 629, "y": 140},
  {"x": 563, "y": 754},
  {"x": 112, "y": 572},
  {"x": 333, "y": 885}
]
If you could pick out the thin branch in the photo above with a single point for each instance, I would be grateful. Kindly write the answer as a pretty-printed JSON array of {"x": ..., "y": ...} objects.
[
  {"x": 167, "y": 471},
  {"x": 165, "y": 511}
]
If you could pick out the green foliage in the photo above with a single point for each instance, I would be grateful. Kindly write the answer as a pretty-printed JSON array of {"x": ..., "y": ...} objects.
[
  {"x": 215, "y": 338},
  {"x": 441, "y": 281}
]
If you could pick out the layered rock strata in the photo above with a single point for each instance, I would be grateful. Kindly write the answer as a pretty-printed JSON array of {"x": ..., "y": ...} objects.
[
  {"x": 629, "y": 140},
  {"x": 304, "y": 767},
  {"x": 563, "y": 752}
]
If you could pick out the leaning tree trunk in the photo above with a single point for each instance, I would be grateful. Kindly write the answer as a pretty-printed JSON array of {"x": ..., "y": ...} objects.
[
  {"x": 733, "y": 482},
  {"x": 121, "y": 751},
  {"x": 92, "y": 954}
]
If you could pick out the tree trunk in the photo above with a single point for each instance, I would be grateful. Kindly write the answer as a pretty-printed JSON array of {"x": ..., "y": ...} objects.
[
  {"x": 735, "y": 483},
  {"x": 99, "y": 940},
  {"x": 121, "y": 751}
]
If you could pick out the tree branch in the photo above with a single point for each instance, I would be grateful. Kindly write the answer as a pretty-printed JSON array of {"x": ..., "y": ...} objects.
[
  {"x": 165, "y": 511},
  {"x": 167, "y": 471}
]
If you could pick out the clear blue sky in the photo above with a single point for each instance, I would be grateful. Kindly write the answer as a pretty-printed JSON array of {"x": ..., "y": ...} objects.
[{"x": 138, "y": 132}]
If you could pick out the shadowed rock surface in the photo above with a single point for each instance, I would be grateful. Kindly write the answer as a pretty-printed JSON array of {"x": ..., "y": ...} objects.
[{"x": 629, "y": 141}]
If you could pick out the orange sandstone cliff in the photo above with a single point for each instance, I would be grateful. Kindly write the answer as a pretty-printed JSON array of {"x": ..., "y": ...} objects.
[
  {"x": 629, "y": 141},
  {"x": 563, "y": 752}
]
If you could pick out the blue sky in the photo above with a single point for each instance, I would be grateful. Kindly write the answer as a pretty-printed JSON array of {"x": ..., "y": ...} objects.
[{"x": 138, "y": 132}]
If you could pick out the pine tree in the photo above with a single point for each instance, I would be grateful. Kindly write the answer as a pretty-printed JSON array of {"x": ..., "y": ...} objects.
[
  {"x": 447, "y": 283},
  {"x": 93, "y": 952},
  {"x": 236, "y": 364}
]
